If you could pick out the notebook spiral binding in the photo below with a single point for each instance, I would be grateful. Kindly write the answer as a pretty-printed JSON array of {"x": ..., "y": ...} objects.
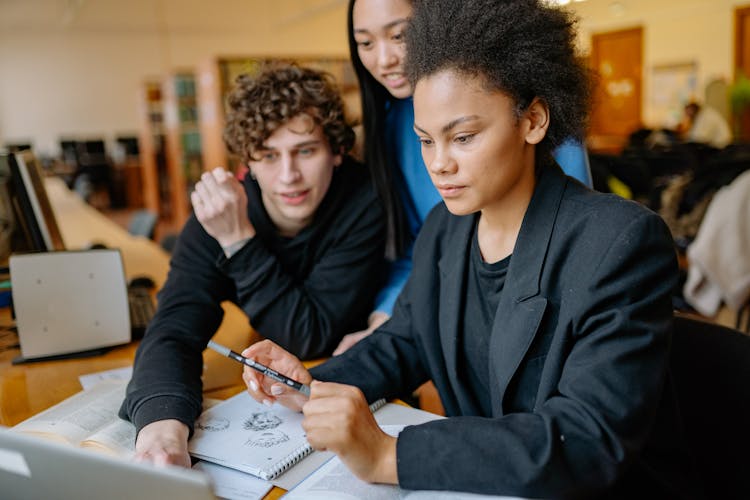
[{"x": 281, "y": 467}]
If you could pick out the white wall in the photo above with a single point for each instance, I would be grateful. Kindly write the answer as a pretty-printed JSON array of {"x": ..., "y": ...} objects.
[
  {"x": 58, "y": 85},
  {"x": 674, "y": 32},
  {"x": 82, "y": 79}
]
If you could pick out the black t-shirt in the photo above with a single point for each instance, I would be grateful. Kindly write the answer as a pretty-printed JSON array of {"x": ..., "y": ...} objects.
[{"x": 484, "y": 284}]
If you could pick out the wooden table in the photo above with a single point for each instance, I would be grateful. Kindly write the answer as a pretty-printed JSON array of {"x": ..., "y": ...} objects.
[{"x": 28, "y": 389}]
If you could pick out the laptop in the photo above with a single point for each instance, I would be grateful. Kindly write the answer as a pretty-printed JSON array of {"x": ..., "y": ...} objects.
[
  {"x": 69, "y": 302},
  {"x": 34, "y": 468}
]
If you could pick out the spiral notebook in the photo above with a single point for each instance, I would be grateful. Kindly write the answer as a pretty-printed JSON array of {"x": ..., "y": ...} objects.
[{"x": 243, "y": 434}]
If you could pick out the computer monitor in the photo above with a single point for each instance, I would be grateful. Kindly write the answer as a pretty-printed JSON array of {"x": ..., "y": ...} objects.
[
  {"x": 68, "y": 150},
  {"x": 129, "y": 145},
  {"x": 31, "y": 210},
  {"x": 17, "y": 146},
  {"x": 7, "y": 218}
]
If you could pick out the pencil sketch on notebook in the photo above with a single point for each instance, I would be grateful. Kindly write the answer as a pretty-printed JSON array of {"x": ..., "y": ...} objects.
[
  {"x": 268, "y": 439},
  {"x": 262, "y": 421},
  {"x": 213, "y": 424},
  {"x": 246, "y": 435}
]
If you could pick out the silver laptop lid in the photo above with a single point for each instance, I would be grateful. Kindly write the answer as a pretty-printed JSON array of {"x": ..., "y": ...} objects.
[
  {"x": 34, "y": 468},
  {"x": 68, "y": 302}
]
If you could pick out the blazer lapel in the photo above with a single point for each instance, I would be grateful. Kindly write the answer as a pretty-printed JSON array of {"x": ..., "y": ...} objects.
[
  {"x": 521, "y": 309},
  {"x": 453, "y": 266}
]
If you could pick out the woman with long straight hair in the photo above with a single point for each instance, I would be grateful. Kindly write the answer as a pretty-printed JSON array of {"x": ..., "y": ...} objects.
[{"x": 391, "y": 148}]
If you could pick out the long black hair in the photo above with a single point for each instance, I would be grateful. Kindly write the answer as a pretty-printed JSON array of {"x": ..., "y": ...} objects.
[{"x": 382, "y": 163}]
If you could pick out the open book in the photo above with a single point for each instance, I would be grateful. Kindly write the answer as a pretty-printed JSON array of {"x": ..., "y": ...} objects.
[
  {"x": 243, "y": 434},
  {"x": 87, "y": 419}
]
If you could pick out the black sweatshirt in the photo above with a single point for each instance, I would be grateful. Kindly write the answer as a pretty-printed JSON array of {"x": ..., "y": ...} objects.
[{"x": 304, "y": 293}]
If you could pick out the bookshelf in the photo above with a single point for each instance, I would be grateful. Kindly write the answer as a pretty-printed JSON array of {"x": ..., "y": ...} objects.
[
  {"x": 216, "y": 77},
  {"x": 151, "y": 148},
  {"x": 182, "y": 141}
]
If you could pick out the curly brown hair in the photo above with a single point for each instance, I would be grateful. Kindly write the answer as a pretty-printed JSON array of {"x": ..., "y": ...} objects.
[{"x": 260, "y": 104}]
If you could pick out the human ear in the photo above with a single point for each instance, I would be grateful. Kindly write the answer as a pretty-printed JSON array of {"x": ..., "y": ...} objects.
[
  {"x": 537, "y": 121},
  {"x": 337, "y": 160}
]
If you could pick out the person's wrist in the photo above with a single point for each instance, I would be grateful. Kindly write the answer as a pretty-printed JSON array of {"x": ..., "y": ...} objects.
[
  {"x": 376, "y": 319},
  {"x": 167, "y": 428},
  {"x": 386, "y": 468},
  {"x": 233, "y": 245}
]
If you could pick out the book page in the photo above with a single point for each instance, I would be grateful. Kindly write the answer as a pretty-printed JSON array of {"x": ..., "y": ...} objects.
[
  {"x": 89, "y": 380},
  {"x": 243, "y": 434},
  {"x": 333, "y": 481},
  {"x": 117, "y": 438},
  {"x": 82, "y": 416}
]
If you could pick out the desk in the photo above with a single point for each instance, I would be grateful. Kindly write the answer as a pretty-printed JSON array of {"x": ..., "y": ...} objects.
[
  {"x": 81, "y": 224},
  {"x": 30, "y": 388}
]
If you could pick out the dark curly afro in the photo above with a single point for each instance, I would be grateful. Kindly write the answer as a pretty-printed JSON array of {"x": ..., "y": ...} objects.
[{"x": 524, "y": 48}]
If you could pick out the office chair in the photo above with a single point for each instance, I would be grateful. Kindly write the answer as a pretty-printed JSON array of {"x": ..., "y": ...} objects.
[
  {"x": 710, "y": 368},
  {"x": 743, "y": 315},
  {"x": 143, "y": 223},
  {"x": 168, "y": 242}
]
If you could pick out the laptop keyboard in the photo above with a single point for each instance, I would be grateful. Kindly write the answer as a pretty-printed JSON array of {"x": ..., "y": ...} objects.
[{"x": 142, "y": 309}]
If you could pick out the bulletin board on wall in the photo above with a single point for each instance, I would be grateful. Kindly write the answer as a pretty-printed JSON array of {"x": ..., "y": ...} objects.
[
  {"x": 672, "y": 86},
  {"x": 339, "y": 67}
]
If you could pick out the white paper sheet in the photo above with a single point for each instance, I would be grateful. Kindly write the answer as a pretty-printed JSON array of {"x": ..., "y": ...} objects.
[
  {"x": 91, "y": 379},
  {"x": 232, "y": 484}
]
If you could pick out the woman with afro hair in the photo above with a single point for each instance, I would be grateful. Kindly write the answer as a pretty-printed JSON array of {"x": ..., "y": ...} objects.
[
  {"x": 540, "y": 309},
  {"x": 391, "y": 149}
]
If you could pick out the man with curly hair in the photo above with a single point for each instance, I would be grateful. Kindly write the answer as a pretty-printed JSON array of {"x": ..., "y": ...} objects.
[
  {"x": 540, "y": 309},
  {"x": 297, "y": 246}
]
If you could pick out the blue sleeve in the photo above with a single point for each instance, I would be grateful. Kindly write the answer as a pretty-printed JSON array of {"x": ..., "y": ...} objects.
[
  {"x": 398, "y": 273},
  {"x": 571, "y": 155}
]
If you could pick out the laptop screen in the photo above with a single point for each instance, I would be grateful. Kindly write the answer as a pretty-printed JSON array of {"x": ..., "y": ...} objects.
[{"x": 33, "y": 468}]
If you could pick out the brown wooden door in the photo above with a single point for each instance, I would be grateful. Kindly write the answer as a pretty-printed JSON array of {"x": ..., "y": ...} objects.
[
  {"x": 742, "y": 63},
  {"x": 617, "y": 59}
]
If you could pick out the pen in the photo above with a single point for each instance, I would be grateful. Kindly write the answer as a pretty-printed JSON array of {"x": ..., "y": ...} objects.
[{"x": 268, "y": 372}]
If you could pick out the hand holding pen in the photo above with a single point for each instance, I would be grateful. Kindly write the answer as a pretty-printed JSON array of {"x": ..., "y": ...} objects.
[
  {"x": 337, "y": 416},
  {"x": 277, "y": 376}
]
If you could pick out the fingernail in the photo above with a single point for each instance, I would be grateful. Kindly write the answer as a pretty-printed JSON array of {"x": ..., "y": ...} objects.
[
  {"x": 254, "y": 385},
  {"x": 276, "y": 390},
  {"x": 267, "y": 402}
]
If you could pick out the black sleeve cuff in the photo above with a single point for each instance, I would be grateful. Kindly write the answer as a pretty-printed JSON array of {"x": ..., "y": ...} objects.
[{"x": 163, "y": 408}]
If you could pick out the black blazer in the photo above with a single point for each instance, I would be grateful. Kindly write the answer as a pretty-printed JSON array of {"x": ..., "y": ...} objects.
[{"x": 577, "y": 355}]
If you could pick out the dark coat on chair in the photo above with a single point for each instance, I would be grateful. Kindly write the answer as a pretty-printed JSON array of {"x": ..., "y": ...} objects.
[{"x": 578, "y": 352}]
